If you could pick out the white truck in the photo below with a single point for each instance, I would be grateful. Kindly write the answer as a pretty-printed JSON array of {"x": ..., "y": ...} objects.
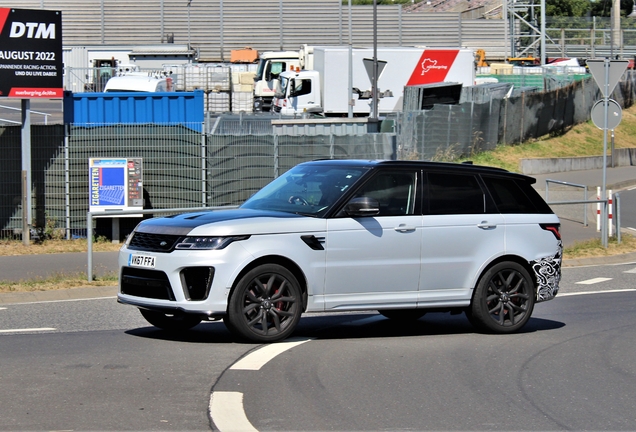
[
  {"x": 325, "y": 89},
  {"x": 139, "y": 82},
  {"x": 271, "y": 65}
]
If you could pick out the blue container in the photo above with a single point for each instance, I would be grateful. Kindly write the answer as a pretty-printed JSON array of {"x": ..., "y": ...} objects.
[{"x": 93, "y": 109}]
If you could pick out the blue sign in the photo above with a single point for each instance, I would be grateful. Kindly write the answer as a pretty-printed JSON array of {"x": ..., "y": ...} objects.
[{"x": 115, "y": 184}]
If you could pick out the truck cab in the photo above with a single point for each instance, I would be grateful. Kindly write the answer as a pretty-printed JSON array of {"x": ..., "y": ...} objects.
[
  {"x": 266, "y": 83},
  {"x": 299, "y": 93}
]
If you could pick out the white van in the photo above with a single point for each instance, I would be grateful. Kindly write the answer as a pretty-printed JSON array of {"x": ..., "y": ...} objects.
[{"x": 139, "y": 83}]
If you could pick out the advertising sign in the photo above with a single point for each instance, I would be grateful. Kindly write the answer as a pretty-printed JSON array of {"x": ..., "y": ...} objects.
[
  {"x": 31, "y": 53},
  {"x": 115, "y": 184}
]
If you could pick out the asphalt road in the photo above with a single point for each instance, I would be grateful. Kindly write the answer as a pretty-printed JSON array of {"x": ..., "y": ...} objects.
[{"x": 94, "y": 364}]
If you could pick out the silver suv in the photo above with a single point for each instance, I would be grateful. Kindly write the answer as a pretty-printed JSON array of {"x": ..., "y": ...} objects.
[{"x": 400, "y": 237}]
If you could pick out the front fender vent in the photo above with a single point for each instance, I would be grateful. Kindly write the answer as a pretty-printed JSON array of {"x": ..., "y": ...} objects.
[{"x": 316, "y": 243}]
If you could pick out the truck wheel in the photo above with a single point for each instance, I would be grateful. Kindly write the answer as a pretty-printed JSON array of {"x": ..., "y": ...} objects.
[
  {"x": 266, "y": 304},
  {"x": 503, "y": 300},
  {"x": 176, "y": 322}
]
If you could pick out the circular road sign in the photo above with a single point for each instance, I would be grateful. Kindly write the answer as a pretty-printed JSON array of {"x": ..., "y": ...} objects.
[{"x": 614, "y": 114}]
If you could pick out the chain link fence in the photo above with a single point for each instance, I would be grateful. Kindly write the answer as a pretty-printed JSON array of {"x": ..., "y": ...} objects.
[{"x": 237, "y": 155}]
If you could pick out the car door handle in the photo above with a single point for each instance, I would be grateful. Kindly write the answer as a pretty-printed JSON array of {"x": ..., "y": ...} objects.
[
  {"x": 486, "y": 226},
  {"x": 404, "y": 228}
]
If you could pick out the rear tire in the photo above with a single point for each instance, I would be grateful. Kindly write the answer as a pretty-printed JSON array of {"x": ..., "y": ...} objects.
[
  {"x": 174, "y": 322},
  {"x": 503, "y": 300}
]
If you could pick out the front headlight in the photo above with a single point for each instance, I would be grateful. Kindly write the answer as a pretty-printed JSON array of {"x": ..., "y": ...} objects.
[{"x": 208, "y": 243}]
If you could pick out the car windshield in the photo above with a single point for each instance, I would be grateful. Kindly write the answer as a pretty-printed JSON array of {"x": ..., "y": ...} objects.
[{"x": 310, "y": 190}]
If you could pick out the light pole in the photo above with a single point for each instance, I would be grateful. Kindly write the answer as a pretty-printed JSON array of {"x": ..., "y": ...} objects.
[
  {"x": 189, "y": 3},
  {"x": 350, "y": 110},
  {"x": 374, "y": 84}
]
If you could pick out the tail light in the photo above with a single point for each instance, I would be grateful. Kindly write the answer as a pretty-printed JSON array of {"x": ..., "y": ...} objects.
[{"x": 553, "y": 228}]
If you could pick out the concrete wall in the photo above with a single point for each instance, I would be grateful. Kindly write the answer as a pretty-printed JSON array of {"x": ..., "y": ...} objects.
[{"x": 622, "y": 157}]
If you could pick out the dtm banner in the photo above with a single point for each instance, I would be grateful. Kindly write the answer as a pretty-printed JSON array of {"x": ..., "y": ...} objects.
[{"x": 30, "y": 53}]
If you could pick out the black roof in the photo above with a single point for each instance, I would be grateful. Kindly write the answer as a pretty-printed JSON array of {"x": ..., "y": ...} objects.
[{"x": 468, "y": 167}]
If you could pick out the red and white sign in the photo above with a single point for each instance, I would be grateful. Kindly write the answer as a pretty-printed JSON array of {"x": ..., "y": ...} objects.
[
  {"x": 31, "y": 53},
  {"x": 433, "y": 67},
  {"x": 443, "y": 65}
]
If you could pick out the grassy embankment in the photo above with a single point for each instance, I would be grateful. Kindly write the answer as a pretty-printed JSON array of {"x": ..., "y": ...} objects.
[{"x": 581, "y": 140}]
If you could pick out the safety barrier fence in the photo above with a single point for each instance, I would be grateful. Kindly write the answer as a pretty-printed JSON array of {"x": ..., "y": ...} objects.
[{"x": 607, "y": 210}]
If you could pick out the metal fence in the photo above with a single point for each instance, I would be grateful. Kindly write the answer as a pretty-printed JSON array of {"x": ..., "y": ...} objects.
[
  {"x": 181, "y": 168},
  {"x": 236, "y": 155}
]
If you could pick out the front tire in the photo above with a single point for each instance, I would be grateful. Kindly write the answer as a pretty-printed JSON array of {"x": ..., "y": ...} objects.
[
  {"x": 503, "y": 300},
  {"x": 266, "y": 304},
  {"x": 176, "y": 322}
]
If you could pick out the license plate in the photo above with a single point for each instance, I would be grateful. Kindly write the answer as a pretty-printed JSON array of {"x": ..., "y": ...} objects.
[{"x": 141, "y": 261}]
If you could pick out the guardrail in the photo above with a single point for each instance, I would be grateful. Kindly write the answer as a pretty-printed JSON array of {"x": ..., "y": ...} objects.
[
  {"x": 584, "y": 187},
  {"x": 46, "y": 115},
  {"x": 123, "y": 213}
]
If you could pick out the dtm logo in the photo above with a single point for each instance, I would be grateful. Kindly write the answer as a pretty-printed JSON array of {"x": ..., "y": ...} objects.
[
  {"x": 32, "y": 30},
  {"x": 428, "y": 64}
]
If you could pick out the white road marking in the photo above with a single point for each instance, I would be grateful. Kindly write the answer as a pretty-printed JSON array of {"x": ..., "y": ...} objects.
[
  {"x": 28, "y": 330},
  {"x": 594, "y": 281},
  {"x": 227, "y": 412},
  {"x": 64, "y": 301},
  {"x": 595, "y": 292},
  {"x": 630, "y": 228},
  {"x": 630, "y": 271},
  {"x": 1, "y": 308},
  {"x": 257, "y": 359}
]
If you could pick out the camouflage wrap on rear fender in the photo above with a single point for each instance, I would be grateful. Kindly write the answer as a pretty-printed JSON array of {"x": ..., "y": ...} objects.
[{"x": 548, "y": 273}]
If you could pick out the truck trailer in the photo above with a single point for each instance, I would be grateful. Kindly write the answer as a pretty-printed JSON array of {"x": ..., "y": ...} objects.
[{"x": 325, "y": 89}]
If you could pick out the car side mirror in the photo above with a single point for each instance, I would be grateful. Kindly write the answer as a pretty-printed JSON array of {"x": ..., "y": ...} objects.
[{"x": 362, "y": 206}]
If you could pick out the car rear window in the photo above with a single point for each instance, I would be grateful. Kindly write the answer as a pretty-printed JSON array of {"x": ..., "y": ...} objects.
[{"x": 515, "y": 196}]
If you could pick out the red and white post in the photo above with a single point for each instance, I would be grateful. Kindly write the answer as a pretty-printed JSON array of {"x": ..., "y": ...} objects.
[
  {"x": 598, "y": 209},
  {"x": 610, "y": 225}
]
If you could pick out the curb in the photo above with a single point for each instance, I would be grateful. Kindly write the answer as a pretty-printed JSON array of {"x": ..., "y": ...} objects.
[
  {"x": 58, "y": 295},
  {"x": 611, "y": 259}
]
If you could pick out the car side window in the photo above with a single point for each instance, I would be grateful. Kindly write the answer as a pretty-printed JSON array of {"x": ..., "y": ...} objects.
[
  {"x": 515, "y": 196},
  {"x": 394, "y": 191},
  {"x": 508, "y": 196},
  {"x": 450, "y": 193}
]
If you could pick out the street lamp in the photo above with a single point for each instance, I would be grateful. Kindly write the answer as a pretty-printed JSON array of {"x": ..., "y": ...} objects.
[{"x": 189, "y": 3}]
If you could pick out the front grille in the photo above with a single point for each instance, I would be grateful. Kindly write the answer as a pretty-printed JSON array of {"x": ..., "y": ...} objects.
[
  {"x": 145, "y": 283},
  {"x": 153, "y": 242}
]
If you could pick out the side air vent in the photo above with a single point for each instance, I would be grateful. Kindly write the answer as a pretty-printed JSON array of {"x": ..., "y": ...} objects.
[{"x": 316, "y": 243}]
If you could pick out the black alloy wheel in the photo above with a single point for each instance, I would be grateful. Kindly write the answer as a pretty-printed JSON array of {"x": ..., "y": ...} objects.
[
  {"x": 503, "y": 300},
  {"x": 266, "y": 304}
]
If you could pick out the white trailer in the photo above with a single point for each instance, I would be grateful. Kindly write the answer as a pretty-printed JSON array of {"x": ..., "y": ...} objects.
[{"x": 326, "y": 88}]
